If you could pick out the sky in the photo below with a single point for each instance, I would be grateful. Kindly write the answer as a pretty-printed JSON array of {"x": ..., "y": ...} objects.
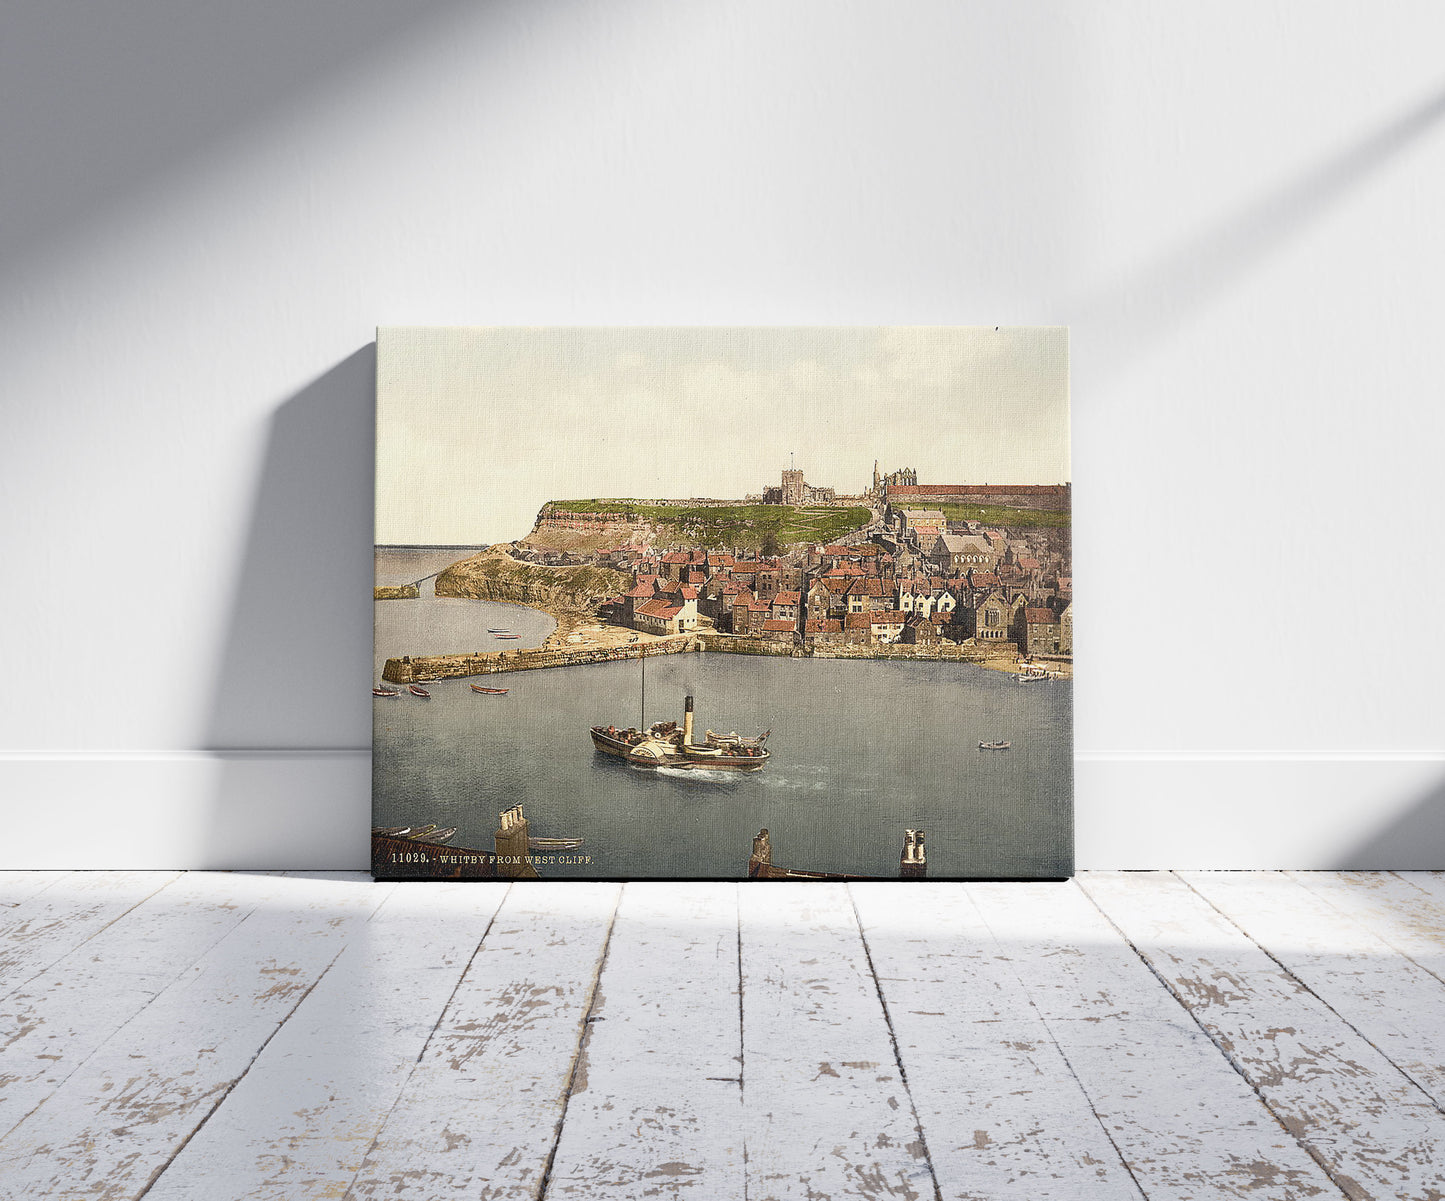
[{"x": 477, "y": 428}]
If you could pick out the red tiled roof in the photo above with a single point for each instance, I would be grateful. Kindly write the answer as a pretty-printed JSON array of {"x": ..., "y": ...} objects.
[
  {"x": 858, "y": 621},
  {"x": 676, "y": 557},
  {"x": 660, "y": 608},
  {"x": 895, "y": 617},
  {"x": 824, "y": 625},
  {"x": 780, "y": 625},
  {"x": 1040, "y": 617},
  {"x": 640, "y": 590},
  {"x": 687, "y": 592},
  {"x": 786, "y": 598}
]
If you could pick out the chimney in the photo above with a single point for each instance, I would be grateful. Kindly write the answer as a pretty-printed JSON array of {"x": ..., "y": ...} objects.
[
  {"x": 912, "y": 865},
  {"x": 687, "y": 722}
]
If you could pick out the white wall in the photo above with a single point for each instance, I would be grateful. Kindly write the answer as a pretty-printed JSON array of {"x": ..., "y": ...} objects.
[{"x": 205, "y": 208}]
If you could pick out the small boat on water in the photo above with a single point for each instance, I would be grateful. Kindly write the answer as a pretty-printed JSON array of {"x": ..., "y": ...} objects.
[
  {"x": 415, "y": 691},
  {"x": 420, "y": 831},
  {"x": 386, "y": 831},
  {"x": 553, "y": 844},
  {"x": 497, "y": 631},
  {"x": 436, "y": 837},
  {"x": 489, "y": 691},
  {"x": 504, "y": 637},
  {"x": 378, "y": 691},
  {"x": 994, "y": 746}
]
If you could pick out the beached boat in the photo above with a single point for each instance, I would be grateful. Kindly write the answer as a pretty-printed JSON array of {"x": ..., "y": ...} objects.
[
  {"x": 666, "y": 744},
  {"x": 994, "y": 746},
  {"x": 415, "y": 691},
  {"x": 436, "y": 837},
  {"x": 419, "y": 831},
  {"x": 489, "y": 691},
  {"x": 386, "y": 831},
  {"x": 385, "y": 691}
]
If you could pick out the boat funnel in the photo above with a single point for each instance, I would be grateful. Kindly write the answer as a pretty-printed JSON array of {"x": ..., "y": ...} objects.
[{"x": 687, "y": 722}]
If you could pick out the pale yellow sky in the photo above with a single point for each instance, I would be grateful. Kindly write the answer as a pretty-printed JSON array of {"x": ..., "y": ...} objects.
[{"x": 478, "y": 427}]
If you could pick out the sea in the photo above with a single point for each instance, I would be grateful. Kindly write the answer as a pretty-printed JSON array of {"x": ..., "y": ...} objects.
[{"x": 861, "y": 750}]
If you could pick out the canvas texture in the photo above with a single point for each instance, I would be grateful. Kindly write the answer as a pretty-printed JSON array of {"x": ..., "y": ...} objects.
[{"x": 723, "y": 603}]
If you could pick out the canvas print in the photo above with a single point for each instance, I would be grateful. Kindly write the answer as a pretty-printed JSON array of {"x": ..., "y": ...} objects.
[{"x": 723, "y": 603}]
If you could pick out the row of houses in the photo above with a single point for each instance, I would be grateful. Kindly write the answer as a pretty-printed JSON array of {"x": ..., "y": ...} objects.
[{"x": 837, "y": 598}]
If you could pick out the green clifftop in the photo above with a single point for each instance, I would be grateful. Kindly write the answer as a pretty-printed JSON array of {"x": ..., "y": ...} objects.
[{"x": 710, "y": 526}]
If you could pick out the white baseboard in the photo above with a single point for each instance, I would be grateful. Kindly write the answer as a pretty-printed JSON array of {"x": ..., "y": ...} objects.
[{"x": 310, "y": 809}]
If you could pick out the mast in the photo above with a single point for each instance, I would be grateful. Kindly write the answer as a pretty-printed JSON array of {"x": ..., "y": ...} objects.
[{"x": 642, "y": 708}]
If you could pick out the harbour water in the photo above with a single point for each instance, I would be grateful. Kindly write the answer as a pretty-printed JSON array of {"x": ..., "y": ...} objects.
[{"x": 861, "y": 750}]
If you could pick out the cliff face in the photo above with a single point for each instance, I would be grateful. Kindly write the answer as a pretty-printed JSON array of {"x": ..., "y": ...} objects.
[
  {"x": 497, "y": 577},
  {"x": 584, "y": 525}
]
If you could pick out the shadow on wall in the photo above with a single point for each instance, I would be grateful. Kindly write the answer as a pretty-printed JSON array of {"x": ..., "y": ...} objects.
[
  {"x": 1151, "y": 303},
  {"x": 1413, "y": 842},
  {"x": 119, "y": 96},
  {"x": 290, "y": 718}
]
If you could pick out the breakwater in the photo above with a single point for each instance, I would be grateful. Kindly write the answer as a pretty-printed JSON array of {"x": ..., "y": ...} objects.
[{"x": 417, "y": 669}]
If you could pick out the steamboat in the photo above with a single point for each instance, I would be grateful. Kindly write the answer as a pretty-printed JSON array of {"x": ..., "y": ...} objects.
[{"x": 666, "y": 744}]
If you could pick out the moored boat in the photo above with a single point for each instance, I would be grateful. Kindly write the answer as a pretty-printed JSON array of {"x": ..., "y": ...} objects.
[
  {"x": 994, "y": 746},
  {"x": 553, "y": 844},
  {"x": 489, "y": 691},
  {"x": 379, "y": 691},
  {"x": 416, "y": 691},
  {"x": 502, "y": 637},
  {"x": 437, "y": 837}
]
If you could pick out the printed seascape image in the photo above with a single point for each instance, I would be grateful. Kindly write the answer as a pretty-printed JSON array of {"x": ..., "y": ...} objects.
[{"x": 723, "y": 603}]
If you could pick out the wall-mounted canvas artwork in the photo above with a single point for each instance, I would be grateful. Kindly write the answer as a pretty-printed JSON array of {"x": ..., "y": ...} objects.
[{"x": 723, "y": 603}]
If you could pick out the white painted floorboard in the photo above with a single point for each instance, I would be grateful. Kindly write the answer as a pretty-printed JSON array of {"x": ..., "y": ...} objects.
[{"x": 1184, "y": 1036}]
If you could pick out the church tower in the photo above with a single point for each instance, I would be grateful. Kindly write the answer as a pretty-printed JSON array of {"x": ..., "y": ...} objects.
[{"x": 876, "y": 480}]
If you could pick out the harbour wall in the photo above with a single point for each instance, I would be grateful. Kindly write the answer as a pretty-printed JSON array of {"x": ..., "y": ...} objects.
[{"x": 417, "y": 669}]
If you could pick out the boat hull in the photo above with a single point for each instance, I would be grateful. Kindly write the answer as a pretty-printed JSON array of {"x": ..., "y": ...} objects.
[{"x": 610, "y": 745}]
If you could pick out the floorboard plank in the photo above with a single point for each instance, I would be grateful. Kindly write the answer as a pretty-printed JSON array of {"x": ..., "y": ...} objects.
[
  {"x": 1001, "y": 1113},
  {"x": 1402, "y": 908},
  {"x": 300, "y": 1122},
  {"x": 656, "y": 1109},
  {"x": 826, "y": 1111},
  {"x": 1186, "y": 1124},
  {"x": 480, "y": 1114},
  {"x": 50, "y": 1025},
  {"x": 125, "y": 1113},
  {"x": 15, "y": 887},
  {"x": 1392, "y": 1002},
  {"x": 47, "y": 925},
  {"x": 1374, "y": 1130}
]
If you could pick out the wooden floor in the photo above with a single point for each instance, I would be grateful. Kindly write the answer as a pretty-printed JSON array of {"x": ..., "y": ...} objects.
[{"x": 1158, "y": 1035}]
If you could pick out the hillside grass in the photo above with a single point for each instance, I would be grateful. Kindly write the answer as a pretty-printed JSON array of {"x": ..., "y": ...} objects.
[
  {"x": 732, "y": 525},
  {"x": 580, "y": 580},
  {"x": 1006, "y": 515}
]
